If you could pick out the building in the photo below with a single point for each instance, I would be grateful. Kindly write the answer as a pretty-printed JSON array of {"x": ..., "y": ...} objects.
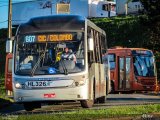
[
  {"x": 133, "y": 7},
  {"x": 23, "y": 11}
]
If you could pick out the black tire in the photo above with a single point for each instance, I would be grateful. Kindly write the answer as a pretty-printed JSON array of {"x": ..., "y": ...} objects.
[
  {"x": 87, "y": 103},
  {"x": 112, "y": 88},
  {"x": 107, "y": 86},
  {"x": 102, "y": 99},
  {"x": 28, "y": 106}
]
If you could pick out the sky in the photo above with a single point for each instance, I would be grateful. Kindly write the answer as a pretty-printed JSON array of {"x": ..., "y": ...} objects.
[{"x": 4, "y": 12}]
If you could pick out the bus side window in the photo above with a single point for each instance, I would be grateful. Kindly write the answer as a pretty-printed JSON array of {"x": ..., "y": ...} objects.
[
  {"x": 91, "y": 55},
  {"x": 103, "y": 45},
  {"x": 98, "y": 56},
  {"x": 112, "y": 61},
  {"x": 97, "y": 51}
]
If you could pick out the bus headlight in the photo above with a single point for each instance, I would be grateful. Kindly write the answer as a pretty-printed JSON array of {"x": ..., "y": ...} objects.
[
  {"x": 79, "y": 83},
  {"x": 18, "y": 85}
]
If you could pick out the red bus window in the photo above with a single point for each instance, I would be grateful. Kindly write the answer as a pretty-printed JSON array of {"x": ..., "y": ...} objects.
[{"x": 112, "y": 61}]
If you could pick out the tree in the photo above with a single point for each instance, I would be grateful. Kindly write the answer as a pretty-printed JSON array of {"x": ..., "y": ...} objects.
[
  {"x": 152, "y": 10},
  {"x": 152, "y": 7}
]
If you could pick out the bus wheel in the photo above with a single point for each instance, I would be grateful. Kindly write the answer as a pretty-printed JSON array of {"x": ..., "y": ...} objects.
[
  {"x": 112, "y": 87},
  {"x": 87, "y": 103},
  {"x": 28, "y": 106},
  {"x": 102, "y": 99}
]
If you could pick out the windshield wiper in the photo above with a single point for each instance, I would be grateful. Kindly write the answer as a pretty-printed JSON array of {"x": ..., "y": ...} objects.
[
  {"x": 37, "y": 63},
  {"x": 39, "y": 60}
]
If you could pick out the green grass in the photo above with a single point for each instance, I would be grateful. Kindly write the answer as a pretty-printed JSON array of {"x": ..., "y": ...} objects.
[
  {"x": 2, "y": 87},
  {"x": 3, "y": 98},
  {"x": 87, "y": 114}
]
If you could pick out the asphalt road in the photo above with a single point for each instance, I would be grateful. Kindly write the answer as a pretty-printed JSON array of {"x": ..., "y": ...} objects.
[{"x": 112, "y": 100}]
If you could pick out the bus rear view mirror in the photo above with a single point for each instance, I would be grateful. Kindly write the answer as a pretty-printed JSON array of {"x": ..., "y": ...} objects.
[
  {"x": 9, "y": 46},
  {"x": 90, "y": 44}
]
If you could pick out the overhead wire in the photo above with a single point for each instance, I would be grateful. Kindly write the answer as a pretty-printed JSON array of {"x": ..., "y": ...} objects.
[
  {"x": 12, "y": 0},
  {"x": 12, "y": 21},
  {"x": 4, "y": 21},
  {"x": 4, "y": 5}
]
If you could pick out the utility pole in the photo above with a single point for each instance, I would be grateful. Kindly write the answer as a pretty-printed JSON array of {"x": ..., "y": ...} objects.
[{"x": 10, "y": 19}]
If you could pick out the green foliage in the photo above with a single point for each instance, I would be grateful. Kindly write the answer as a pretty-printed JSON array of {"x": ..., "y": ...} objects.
[
  {"x": 3, "y": 38},
  {"x": 2, "y": 88},
  {"x": 2, "y": 58},
  {"x": 124, "y": 31},
  {"x": 3, "y": 34},
  {"x": 151, "y": 7},
  {"x": 152, "y": 22},
  {"x": 4, "y": 100},
  {"x": 87, "y": 114}
]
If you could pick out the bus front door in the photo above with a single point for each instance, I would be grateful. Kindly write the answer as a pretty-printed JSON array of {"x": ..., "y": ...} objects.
[{"x": 124, "y": 67}]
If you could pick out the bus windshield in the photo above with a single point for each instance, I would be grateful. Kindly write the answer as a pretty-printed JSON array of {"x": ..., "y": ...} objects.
[
  {"x": 144, "y": 66},
  {"x": 41, "y": 54}
]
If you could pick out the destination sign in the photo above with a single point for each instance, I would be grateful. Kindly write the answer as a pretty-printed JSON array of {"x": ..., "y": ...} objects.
[{"x": 49, "y": 38}]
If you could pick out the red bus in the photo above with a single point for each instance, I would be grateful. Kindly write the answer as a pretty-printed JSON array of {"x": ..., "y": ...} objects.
[
  {"x": 132, "y": 69},
  {"x": 8, "y": 75}
]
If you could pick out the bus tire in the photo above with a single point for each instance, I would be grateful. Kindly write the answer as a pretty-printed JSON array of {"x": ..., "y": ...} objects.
[
  {"x": 28, "y": 106},
  {"x": 112, "y": 87},
  {"x": 89, "y": 103},
  {"x": 102, "y": 99}
]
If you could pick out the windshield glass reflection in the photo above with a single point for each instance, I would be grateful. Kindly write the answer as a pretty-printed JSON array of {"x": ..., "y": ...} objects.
[{"x": 144, "y": 66}]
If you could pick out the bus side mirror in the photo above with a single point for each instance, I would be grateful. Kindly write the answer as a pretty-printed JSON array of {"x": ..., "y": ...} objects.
[
  {"x": 90, "y": 44},
  {"x": 9, "y": 46}
]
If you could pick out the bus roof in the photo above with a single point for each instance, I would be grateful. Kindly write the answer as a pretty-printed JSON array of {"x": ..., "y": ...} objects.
[
  {"x": 52, "y": 23},
  {"x": 120, "y": 49},
  {"x": 92, "y": 25}
]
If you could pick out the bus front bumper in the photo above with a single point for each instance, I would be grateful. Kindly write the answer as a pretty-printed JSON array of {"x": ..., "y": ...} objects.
[
  {"x": 52, "y": 94},
  {"x": 140, "y": 87}
]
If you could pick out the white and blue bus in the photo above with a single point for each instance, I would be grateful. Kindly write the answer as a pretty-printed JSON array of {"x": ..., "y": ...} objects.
[{"x": 39, "y": 74}]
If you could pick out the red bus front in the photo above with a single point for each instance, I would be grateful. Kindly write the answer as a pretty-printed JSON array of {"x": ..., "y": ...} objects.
[
  {"x": 132, "y": 69},
  {"x": 8, "y": 74}
]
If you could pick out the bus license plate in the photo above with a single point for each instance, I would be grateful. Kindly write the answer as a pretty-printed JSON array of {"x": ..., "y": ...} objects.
[{"x": 37, "y": 84}]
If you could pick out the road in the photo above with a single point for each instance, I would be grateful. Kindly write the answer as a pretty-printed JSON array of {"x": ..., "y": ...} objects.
[{"x": 112, "y": 100}]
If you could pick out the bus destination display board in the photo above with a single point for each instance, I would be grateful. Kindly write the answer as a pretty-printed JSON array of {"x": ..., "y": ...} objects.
[{"x": 49, "y": 38}]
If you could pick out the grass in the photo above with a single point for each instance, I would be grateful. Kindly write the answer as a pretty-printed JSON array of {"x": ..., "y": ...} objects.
[
  {"x": 86, "y": 114},
  {"x": 2, "y": 87},
  {"x": 3, "y": 99}
]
